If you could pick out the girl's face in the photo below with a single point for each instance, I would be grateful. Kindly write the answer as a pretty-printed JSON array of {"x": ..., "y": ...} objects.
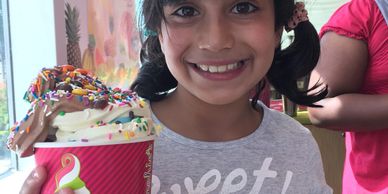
[{"x": 218, "y": 50}]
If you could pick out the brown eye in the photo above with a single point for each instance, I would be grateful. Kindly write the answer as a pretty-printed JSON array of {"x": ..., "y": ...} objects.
[
  {"x": 244, "y": 8},
  {"x": 186, "y": 11}
]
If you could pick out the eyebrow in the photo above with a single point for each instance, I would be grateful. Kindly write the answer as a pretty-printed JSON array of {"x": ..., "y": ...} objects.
[{"x": 171, "y": 2}]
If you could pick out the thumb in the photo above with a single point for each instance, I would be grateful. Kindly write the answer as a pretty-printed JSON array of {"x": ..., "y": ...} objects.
[
  {"x": 65, "y": 191},
  {"x": 34, "y": 181}
]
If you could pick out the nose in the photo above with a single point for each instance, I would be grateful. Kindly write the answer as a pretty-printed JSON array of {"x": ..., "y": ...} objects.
[{"x": 215, "y": 35}]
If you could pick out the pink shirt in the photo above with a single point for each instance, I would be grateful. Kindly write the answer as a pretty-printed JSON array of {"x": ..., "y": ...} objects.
[{"x": 366, "y": 162}]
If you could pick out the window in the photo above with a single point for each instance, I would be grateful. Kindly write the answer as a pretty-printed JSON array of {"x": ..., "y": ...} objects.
[{"x": 6, "y": 158}]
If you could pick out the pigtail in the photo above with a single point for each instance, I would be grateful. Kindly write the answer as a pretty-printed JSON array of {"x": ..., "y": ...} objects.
[
  {"x": 154, "y": 79},
  {"x": 295, "y": 62}
]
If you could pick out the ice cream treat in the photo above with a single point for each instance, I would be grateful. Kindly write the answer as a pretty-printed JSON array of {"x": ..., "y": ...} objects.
[
  {"x": 90, "y": 137},
  {"x": 69, "y": 104}
]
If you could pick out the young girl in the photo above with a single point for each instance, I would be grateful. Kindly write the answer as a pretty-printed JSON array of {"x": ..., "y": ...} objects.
[{"x": 200, "y": 61}]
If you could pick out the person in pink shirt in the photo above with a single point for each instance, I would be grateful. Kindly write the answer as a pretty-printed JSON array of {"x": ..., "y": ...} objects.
[{"x": 354, "y": 64}]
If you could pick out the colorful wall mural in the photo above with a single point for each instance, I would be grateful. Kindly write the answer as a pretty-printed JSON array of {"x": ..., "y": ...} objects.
[{"x": 109, "y": 45}]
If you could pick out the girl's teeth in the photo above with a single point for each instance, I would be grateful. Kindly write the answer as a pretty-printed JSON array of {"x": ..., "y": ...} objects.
[
  {"x": 203, "y": 67},
  {"x": 232, "y": 66},
  {"x": 218, "y": 68},
  {"x": 222, "y": 68},
  {"x": 213, "y": 69}
]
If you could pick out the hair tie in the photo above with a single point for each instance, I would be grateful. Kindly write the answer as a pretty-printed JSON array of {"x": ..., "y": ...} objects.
[
  {"x": 148, "y": 32},
  {"x": 299, "y": 15},
  {"x": 141, "y": 26}
]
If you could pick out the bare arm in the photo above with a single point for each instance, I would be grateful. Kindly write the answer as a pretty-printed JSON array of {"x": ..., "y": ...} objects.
[{"x": 342, "y": 66}]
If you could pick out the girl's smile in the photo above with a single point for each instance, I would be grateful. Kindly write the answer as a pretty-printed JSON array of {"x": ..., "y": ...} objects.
[
  {"x": 219, "y": 50},
  {"x": 220, "y": 70}
]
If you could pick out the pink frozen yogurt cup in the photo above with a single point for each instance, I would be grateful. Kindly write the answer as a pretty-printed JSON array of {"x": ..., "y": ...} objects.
[{"x": 87, "y": 167}]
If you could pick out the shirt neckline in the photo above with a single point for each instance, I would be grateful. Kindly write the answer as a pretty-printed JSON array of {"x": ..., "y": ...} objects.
[{"x": 178, "y": 138}]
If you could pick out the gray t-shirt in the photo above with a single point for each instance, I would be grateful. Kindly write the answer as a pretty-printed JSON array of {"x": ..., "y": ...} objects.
[{"x": 281, "y": 156}]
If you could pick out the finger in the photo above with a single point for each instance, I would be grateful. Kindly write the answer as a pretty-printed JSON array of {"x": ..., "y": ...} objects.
[
  {"x": 34, "y": 181},
  {"x": 28, "y": 152},
  {"x": 66, "y": 191}
]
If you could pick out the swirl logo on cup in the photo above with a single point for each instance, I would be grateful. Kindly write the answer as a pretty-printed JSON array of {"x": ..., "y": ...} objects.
[{"x": 68, "y": 175}]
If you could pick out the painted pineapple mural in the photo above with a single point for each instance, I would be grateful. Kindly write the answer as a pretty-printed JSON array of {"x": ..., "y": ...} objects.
[
  {"x": 88, "y": 56},
  {"x": 105, "y": 33},
  {"x": 73, "y": 36}
]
